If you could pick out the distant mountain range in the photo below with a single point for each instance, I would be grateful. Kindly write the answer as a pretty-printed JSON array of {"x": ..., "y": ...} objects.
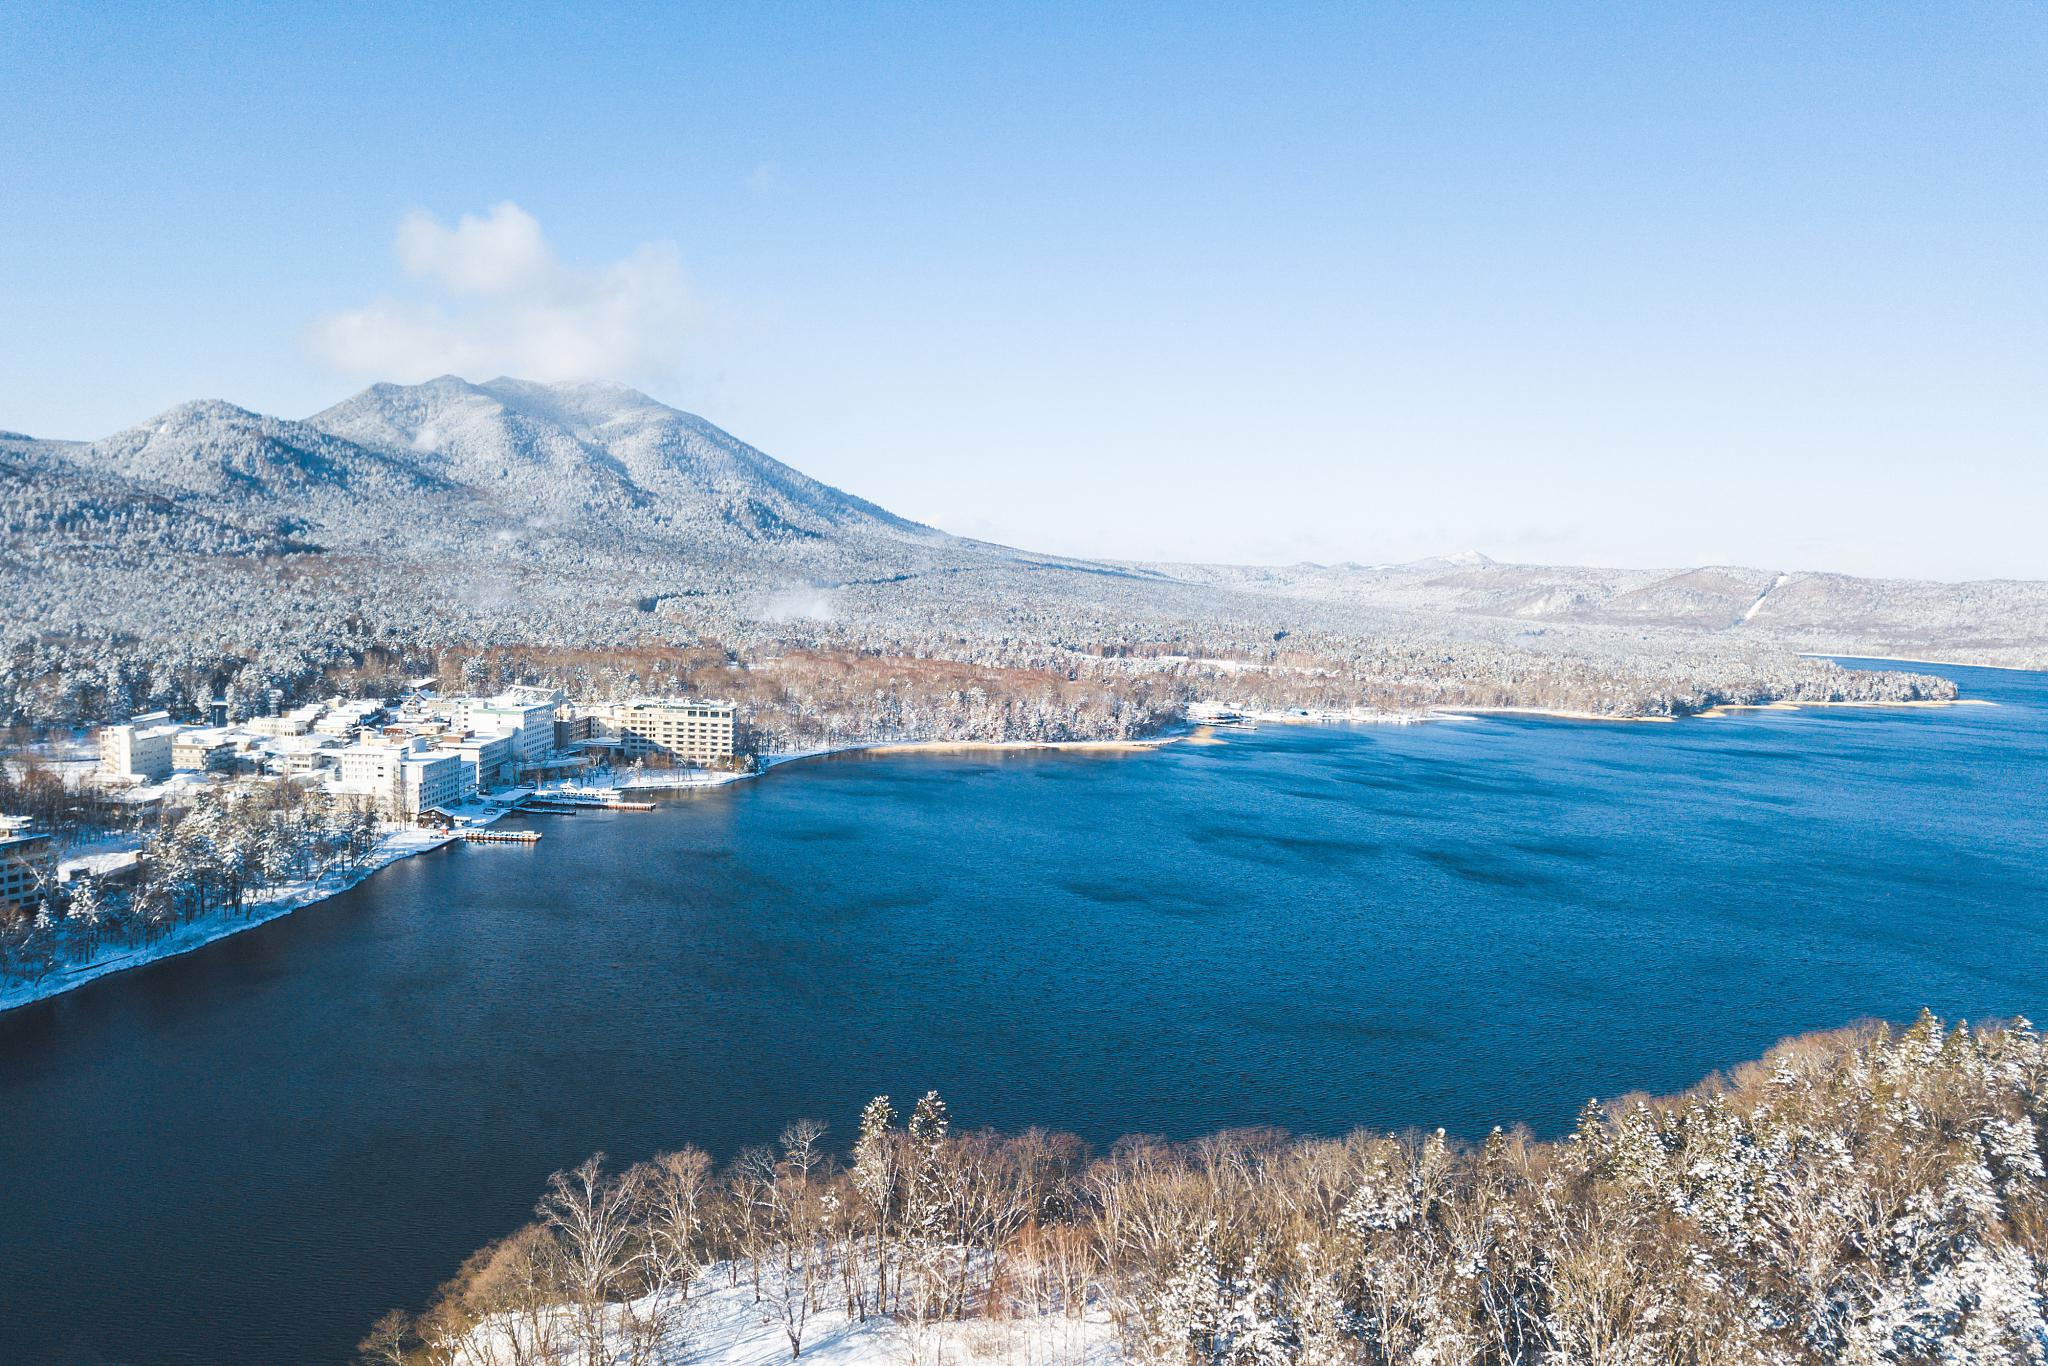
[
  {"x": 1991, "y": 621},
  {"x": 590, "y": 515}
]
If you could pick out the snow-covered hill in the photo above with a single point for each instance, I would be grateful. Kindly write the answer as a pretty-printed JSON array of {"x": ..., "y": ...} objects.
[
  {"x": 218, "y": 452},
  {"x": 583, "y": 450},
  {"x": 1992, "y": 621}
]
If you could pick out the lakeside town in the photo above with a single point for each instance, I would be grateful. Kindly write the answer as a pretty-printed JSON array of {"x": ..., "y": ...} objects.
[{"x": 157, "y": 835}]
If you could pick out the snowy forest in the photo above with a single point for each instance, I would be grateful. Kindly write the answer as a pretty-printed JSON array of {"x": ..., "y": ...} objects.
[
  {"x": 233, "y": 850},
  {"x": 1860, "y": 1197}
]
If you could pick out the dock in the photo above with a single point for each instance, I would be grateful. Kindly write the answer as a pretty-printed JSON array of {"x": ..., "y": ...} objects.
[
  {"x": 558, "y": 804},
  {"x": 501, "y": 836}
]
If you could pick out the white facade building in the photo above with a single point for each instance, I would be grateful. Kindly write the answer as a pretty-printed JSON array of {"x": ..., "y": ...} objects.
[
  {"x": 203, "y": 751},
  {"x": 493, "y": 759},
  {"x": 675, "y": 729},
  {"x": 295, "y": 755},
  {"x": 297, "y": 721},
  {"x": 402, "y": 776},
  {"x": 430, "y": 778},
  {"x": 139, "y": 749},
  {"x": 527, "y": 714},
  {"x": 370, "y": 770}
]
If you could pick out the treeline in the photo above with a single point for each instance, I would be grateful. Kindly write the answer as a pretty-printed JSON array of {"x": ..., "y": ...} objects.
[
  {"x": 1862, "y": 1197},
  {"x": 218, "y": 858}
]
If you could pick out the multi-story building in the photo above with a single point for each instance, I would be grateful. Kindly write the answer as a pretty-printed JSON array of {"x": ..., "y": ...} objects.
[
  {"x": 203, "y": 751},
  {"x": 402, "y": 775},
  {"x": 297, "y": 721},
  {"x": 572, "y": 727},
  {"x": 370, "y": 769},
  {"x": 293, "y": 756},
  {"x": 28, "y": 866},
  {"x": 671, "y": 729},
  {"x": 430, "y": 778},
  {"x": 528, "y": 714},
  {"x": 492, "y": 759},
  {"x": 138, "y": 749}
]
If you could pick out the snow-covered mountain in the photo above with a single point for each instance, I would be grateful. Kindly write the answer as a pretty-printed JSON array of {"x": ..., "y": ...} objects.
[
  {"x": 577, "y": 449},
  {"x": 449, "y": 467},
  {"x": 215, "y": 453}
]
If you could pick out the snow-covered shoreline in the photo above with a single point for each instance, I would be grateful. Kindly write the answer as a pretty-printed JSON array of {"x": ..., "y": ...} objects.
[{"x": 261, "y": 908}]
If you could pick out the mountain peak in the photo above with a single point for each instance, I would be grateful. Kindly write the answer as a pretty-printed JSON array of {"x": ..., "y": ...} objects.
[
  {"x": 1463, "y": 559},
  {"x": 572, "y": 448},
  {"x": 199, "y": 411}
]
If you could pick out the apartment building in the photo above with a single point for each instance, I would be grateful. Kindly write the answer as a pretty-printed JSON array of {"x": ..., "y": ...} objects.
[
  {"x": 203, "y": 751},
  {"x": 675, "y": 730},
  {"x": 28, "y": 865},
  {"x": 138, "y": 750}
]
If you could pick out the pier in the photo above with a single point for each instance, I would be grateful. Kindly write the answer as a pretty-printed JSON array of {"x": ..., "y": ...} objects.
[
  {"x": 558, "y": 804},
  {"x": 501, "y": 836}
]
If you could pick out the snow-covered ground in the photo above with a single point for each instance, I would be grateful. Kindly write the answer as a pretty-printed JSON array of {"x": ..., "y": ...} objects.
[
  {"x": 723, "y": 1325},
  {"x": 260, "y": 907},
  {"x": 99, "y": 855}
]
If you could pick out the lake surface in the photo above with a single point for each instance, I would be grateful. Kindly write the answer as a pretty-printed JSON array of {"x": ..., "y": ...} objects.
[{"x": 245, "y": 1154}]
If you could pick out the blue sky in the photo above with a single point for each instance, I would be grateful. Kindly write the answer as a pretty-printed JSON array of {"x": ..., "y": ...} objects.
[{"x": 1610, "y": 284}]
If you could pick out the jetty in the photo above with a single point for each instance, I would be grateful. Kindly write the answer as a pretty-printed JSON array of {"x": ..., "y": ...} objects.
[
  {"x": 501, "y": 836},
  {"x": 559, "y": 803}
]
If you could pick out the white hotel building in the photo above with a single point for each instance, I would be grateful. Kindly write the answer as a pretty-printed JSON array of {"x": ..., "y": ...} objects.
[
  {"x": 668, "y": 729},
  {"x": 402, "y": 777},
  {"x": 139, "y": 749},
  {"x": 527, "y": 714}
]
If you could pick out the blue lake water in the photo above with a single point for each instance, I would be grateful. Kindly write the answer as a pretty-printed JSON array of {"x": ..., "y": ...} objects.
[{"x": 246, "y": 1153}]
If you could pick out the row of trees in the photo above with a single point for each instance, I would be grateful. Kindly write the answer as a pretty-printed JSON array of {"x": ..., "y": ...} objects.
[
  {"x": 216, "y": 859},
  {"x": 1863, "y": 1197}
]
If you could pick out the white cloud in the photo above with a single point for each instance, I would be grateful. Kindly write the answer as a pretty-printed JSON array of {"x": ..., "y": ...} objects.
[
  {"x": 503, "y": 252},
  {"x": 490, "y": 297}
]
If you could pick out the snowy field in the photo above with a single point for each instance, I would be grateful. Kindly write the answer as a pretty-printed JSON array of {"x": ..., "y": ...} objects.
[{"x": 725, "y": 1325}]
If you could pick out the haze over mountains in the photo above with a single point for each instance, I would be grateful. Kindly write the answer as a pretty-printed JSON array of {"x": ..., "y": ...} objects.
[{"x": 591, "y": 516}]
